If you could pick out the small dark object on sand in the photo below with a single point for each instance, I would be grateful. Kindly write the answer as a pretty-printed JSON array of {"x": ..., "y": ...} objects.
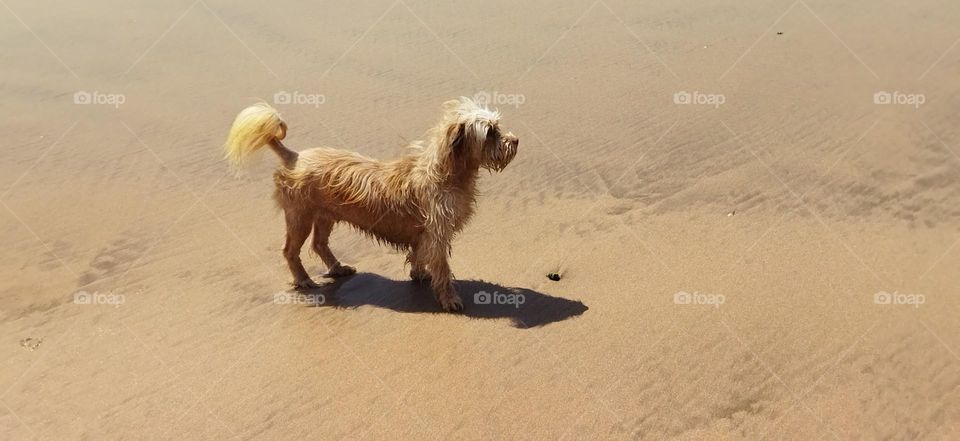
[
  {"x": 779, "y": 33},
  {"x": 554, "y": 276}
]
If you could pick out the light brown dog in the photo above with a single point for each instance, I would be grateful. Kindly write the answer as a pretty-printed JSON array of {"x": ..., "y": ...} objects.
[{"x": 417, "y": 203}]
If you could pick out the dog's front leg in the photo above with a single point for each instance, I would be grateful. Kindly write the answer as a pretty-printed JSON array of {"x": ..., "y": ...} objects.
[
  {"x": 441, "y": 280},
  {"x": 435, "y": 251},
  {"x": 418, "y": 269}
]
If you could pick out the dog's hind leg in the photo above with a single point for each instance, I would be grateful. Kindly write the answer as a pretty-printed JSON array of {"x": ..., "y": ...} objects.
[
  {"x": 298, "y": 228},
  {"x": 321, "y": 235}
]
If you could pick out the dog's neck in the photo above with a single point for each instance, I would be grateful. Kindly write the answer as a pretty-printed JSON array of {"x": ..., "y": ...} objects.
[
  {"x": 453, "y": 173},
  {"x": 464, "y": 175}
]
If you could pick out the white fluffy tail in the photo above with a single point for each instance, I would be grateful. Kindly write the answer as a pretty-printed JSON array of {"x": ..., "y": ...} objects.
[{"x": 254, "y": 127}]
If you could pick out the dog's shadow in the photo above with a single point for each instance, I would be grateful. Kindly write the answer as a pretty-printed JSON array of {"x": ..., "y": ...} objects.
[{"x": 525, "y": 308}]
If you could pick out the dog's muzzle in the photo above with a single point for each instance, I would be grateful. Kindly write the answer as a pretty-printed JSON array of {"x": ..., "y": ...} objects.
[{"x": 504, "y": 153}]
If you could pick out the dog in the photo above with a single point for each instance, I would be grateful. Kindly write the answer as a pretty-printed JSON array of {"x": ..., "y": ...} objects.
[{"x": 417, "y": 203}]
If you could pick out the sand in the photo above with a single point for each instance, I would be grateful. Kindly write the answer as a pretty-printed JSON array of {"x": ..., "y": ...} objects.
[{"x": 725, "y": 263}]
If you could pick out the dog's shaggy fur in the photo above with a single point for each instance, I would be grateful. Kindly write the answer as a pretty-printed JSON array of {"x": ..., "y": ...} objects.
[{"x": 417, "y": 203}]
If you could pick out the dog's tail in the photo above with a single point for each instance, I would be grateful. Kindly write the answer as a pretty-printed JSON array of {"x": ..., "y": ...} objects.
[{"x": 255, "y": 127}]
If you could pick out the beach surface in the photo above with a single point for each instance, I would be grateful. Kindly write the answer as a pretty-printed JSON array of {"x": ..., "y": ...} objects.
[{"x": 753, "y": 207}]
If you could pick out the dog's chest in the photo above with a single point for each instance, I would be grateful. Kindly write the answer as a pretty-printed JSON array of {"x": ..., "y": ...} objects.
[{"x": 460, "y": 206}]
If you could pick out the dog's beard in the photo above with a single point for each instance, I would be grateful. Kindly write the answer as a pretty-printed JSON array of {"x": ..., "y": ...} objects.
[{"x": 499, "y": 156}]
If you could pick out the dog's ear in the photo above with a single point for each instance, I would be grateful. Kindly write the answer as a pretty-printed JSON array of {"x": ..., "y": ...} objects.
[
  {"x": 455, "y": 138},
  {"x": 472, "y": 136}
]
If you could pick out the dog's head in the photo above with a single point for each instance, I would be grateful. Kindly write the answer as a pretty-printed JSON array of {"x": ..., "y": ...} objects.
[{"x": 472, "y": 134}]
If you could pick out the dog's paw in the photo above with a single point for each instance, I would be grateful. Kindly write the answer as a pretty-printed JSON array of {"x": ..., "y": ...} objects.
[
  {"x": 341, "y": 271},
  {"x": 305, "y": 284},
  {"x": 451, "y": 303},
  {"x": 419, "y": 276}
]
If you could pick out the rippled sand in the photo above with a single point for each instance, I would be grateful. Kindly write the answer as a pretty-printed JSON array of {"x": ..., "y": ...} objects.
[{"x": 774, "y": 260}]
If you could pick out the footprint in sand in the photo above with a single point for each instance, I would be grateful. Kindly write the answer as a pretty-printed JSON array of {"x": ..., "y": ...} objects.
[
  {"x": 31, "y": 343},
  {"x": 114, "y": 259}
]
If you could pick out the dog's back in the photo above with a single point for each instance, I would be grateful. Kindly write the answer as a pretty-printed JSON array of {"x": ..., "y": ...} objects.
[{"x": 347, "y": 186}]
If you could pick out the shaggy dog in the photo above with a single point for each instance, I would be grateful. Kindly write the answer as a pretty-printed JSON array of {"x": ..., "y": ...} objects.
[{"x": 417, "y": 203}]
